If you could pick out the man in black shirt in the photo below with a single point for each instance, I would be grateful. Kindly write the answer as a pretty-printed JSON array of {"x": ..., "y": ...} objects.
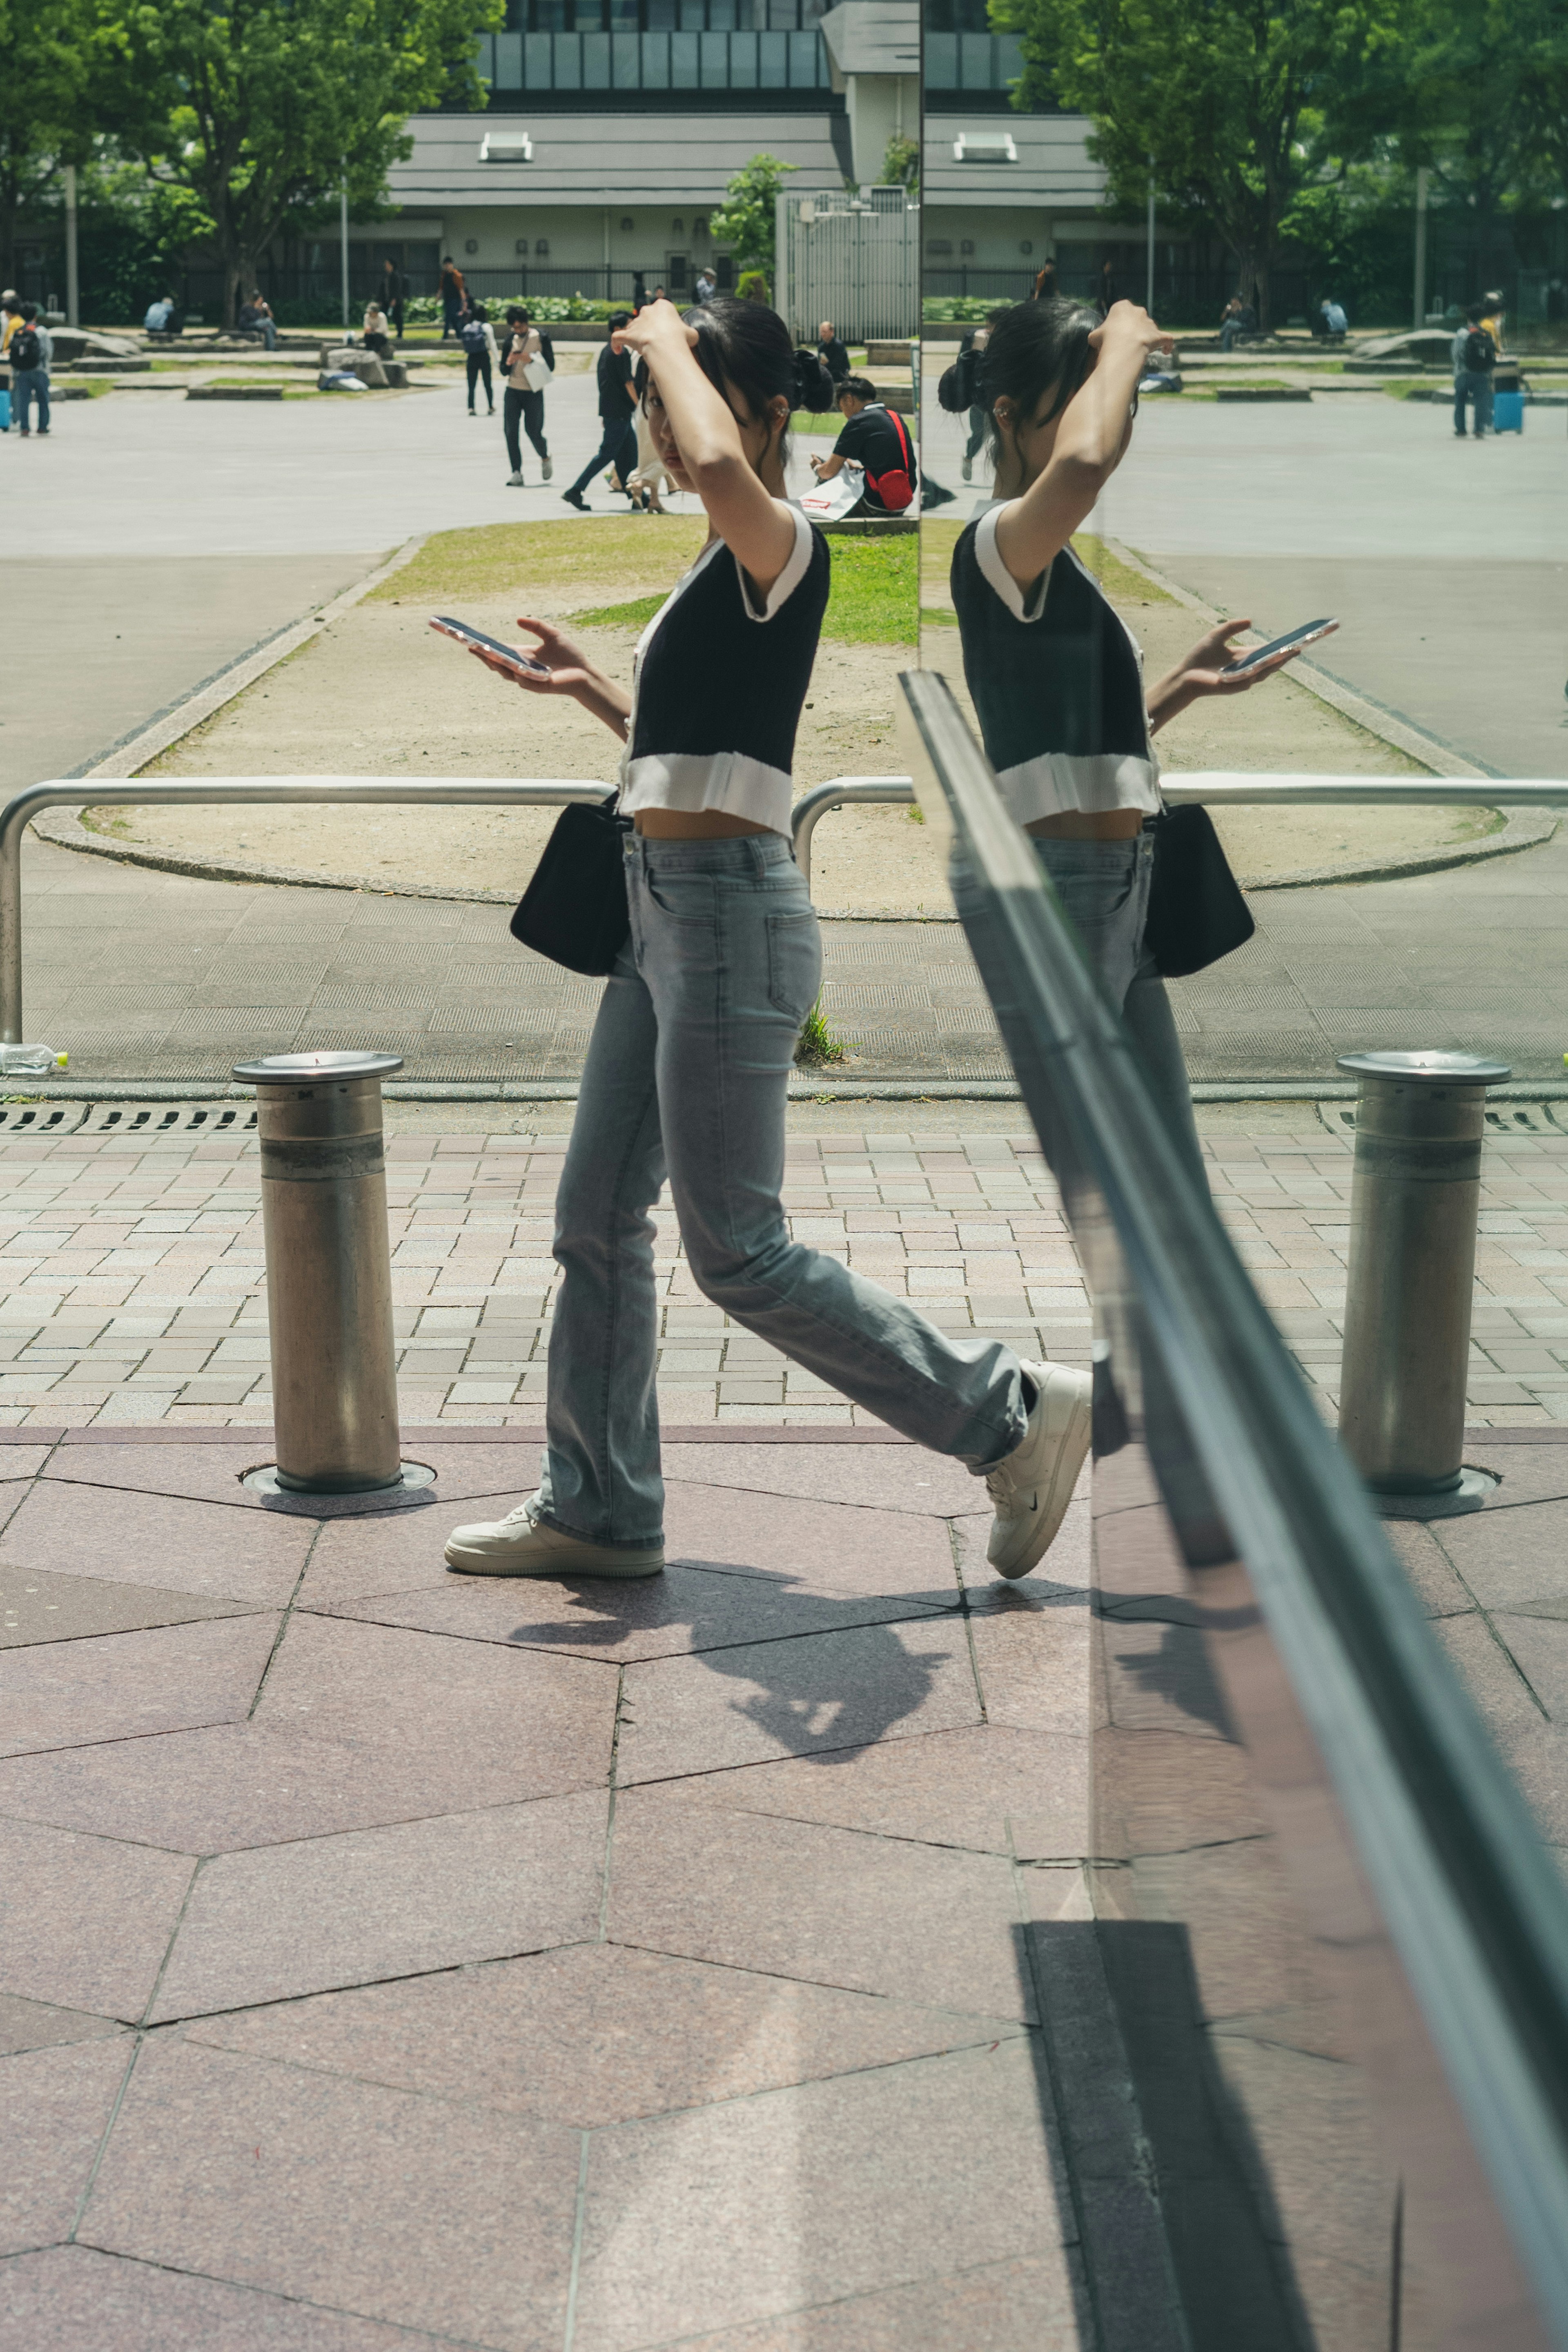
[
  {"x": 617, "y": 404},
  {"x": 875, "y": 439},
  {"x": 833, "y": 356}
]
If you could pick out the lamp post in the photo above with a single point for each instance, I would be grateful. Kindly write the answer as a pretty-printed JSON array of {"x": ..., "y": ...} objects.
[
  {"x": 1421, "y": 181},
  {"x": 343, "y": 226},
  {"x": 1149, "y": 299},
  {"x": 73, "y": 282}
]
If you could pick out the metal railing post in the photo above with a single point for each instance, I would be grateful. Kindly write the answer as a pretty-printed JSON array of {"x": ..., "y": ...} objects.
[
  {"x": 1415, "y": 1204},
  {"x": 329, "y": 1269},
  {"x": 816, "y": 803}
]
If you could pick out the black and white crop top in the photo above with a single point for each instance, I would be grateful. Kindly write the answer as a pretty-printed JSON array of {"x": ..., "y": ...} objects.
[
  {"x": 715, "y": 705},
  {"x": 1058, "y": 682}
]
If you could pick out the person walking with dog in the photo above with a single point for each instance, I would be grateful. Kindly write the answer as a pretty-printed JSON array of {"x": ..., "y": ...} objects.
[{"x": 687, "y": 1075}]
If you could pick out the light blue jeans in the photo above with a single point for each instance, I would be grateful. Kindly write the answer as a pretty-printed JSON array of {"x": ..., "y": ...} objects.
[
  {"x": 685, "y": 1077},
  {"x": 1104, "y": 887}
]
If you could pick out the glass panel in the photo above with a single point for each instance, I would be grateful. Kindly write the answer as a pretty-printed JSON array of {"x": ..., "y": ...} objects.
[
  {"x": 538, "y": 61},
  {"x": 567, "y": 61},
  {"x": 715, "y": 57},
  {"x": 485, "y": 56},
  {"x": 743, "y": 60},
  {"x": 656, "y": 60},
  {"x": 773, "y": 61},
  {"x": 625, "y": 58},
  {"x": 595, "y": 61},
  {"x": 806, "y": 65},
  {"x": 509, "y": 60}
]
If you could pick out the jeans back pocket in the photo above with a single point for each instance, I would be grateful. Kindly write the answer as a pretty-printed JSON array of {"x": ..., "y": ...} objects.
[{"x": 795, "y": 962}]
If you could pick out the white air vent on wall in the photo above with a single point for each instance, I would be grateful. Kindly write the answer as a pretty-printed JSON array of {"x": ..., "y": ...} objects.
[
  {"x": 985, "y": 147},
  {"x": 506, "y": 147}
]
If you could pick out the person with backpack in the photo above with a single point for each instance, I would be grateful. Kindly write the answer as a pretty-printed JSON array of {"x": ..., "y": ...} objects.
[
  {"x": 530, "y": 365},
  {"x": 28, "y": 354},
  {"x": 1475, "y": 356},
  {"x": 687, "y": 1075},
  {"x": 478, "y": 337},
  {"x": 876, "y": 439},
  {"x": 617, "y": 399}
]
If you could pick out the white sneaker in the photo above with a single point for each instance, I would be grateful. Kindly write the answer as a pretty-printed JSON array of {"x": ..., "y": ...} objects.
[
  {"x": 548, "y": 467},
  {"x": 521, "y": 1545},
  {"x": 1032, "y": 1486},
  {"x": 969, "y": 470},
  {"x": 516, "y": 482}
]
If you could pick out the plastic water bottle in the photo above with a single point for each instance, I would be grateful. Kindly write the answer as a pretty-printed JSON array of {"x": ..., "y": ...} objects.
[{"x": 30, "y": 1061}]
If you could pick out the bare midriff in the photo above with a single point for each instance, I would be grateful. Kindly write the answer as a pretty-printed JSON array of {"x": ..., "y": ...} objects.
[
  {"x": 1087, "y": 824},
  {"x": 693, "y": 825}
]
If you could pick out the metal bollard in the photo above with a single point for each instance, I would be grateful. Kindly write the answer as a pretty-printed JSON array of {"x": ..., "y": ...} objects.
[
  {"x": 1415, "y": 1201},
  {"x": 329, "y": 1269}
]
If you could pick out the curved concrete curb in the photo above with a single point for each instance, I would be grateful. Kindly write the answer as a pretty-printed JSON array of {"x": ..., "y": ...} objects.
[
  {"x": 65, "y": 828},
  {"x": 1523, "y": 830}
]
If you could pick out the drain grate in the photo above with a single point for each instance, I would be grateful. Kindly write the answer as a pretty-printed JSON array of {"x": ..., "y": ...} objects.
[
  {"x": 1339, "y": 1117},
  {"x": 40, "y": 1118},
  {"x": 171, "y": 1119},
  {"x": 1522, "y": 1119}
]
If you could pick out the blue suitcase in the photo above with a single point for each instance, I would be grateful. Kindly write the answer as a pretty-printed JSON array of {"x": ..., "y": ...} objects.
[
  {"x": 1508, "y": 411},
  {"x": 4, "y": 412}
]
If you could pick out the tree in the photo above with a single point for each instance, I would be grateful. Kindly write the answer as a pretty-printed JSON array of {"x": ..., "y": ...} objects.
[
  {"x": 1221, "y": 99},
  {"x": 47, "y": 58},
  {"x": 902, "y": 164},
  {"x": 261, "y": 108},
  {"x": 748, "y": 218}
]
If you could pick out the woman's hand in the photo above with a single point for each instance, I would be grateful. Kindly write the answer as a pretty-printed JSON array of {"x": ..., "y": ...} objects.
[
  {"x": 1202, "y": 672},
  {"x": 1125, "y": 324},
  {"x": 564, "y": 668},
  {"x": 657, "y": 325}
]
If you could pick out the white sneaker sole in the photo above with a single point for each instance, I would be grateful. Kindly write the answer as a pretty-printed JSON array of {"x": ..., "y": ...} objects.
[
  {"x": 1063, "y": 1443},
  {"x": 560, "y": 1562}
]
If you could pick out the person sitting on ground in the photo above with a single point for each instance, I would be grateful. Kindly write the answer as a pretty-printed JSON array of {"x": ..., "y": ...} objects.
[
  {"x": 377, "y": 335},
  {"x": 831, "y": 351},
  {"x": 159, "y": 314},
  {"x": 1334, "y": 316},
  {"x": 876, "y": 439}
]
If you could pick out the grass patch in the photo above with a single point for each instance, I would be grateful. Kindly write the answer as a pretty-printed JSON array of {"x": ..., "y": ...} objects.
[
  {"x": 1121, "y": 583},
  {"x": 871, "y": 602},
  {"x": 817, "y": 1047},
  {"x": 873, "y": 599}
]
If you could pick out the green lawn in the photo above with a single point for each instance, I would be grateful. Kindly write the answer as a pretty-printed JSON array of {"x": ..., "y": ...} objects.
[
  {"x": 1121, "y": 583},
  {"x": 871, "y": 602},
  {"x": 874, "y": 580}
]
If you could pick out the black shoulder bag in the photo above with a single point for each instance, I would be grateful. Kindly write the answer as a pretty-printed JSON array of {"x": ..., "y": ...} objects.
[
  {"x": 1196, "y": 913},
  {"x": 574, "y": 909}
]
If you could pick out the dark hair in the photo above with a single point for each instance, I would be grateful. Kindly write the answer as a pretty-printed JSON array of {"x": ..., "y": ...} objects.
[
  {"x": 517, "y": 314},
  {"x": 744, "y": 346},
  {"x": 478, "y": 310},
  {"x": 1034, "y": 348},
  {"x": 1476, "y": 313},
  {"x": 29, "y": 312},
  {"x": 618, "y": 319},
  {"x": 859, "y": 387}
]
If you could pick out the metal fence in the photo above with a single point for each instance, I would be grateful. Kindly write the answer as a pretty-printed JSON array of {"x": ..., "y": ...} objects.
[
  {"x": 855, "y": 260},
  {"x": 1216, "y": 788}
]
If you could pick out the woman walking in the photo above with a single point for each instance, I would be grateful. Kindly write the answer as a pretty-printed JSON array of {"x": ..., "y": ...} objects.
[
  {"x": 688, "y": 1070},
  {"x": 1056, "y": 674}
]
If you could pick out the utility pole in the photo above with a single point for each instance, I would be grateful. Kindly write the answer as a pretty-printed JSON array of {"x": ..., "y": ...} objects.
[
  {"x": 73, "y": 285},
  {"x": 1149, "y": 300},
  {"x": 1420, "y": 178},
  {"x": 343, "y": 223}
]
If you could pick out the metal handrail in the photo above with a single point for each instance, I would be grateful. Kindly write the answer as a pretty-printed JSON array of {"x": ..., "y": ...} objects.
[{"x": 1217, "y": 788}]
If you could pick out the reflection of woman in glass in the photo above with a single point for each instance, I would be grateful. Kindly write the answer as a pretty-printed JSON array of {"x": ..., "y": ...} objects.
[
  {"x": 688, "y": 1070},
  {"x": 1056, "y": 674}
]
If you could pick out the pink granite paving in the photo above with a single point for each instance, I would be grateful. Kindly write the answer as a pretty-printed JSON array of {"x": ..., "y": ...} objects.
[{"x": 396, "y": 1958}]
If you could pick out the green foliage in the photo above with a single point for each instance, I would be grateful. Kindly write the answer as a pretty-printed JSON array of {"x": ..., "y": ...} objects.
[
  {"x": 133, "y": 233},
  {"x": 746, "y": 220},
  {"x": 959, "y": 309},
  {"x": 49, "y": 57},
  {"x": 817, "y": 1047},
  {"x": 902, "y": 164},
  {"x": 752, "y": 287},
  {"x": 1222, "y": 100},
  {"x": 259, "y": 109},
  {"x": 548, "y": 310},
  {"x": 871, "y": 602}
]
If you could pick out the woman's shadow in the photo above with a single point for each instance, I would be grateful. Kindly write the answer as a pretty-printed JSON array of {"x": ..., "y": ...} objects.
[{"x": 829, "y": 1674}]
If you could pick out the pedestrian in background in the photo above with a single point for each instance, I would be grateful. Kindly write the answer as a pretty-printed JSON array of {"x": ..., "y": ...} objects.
[
  {"x": 1045, "y": 288},
  {"x": 1333, "y": 315},
  {"x": 30, "y": 353},
  {"x": 10, "y": 318},
  {"x": 979, "y": 423},
  {"x": 477, "y": 339},
  {"x": 1475, "y": 356},
  {"x": 529, "y": 366},
  {"x": 617, "y": 398},
  {"x": 454, "y": 299},
  {"x": 373, "y": 334},
  {"x": 392, "y": 295},
  {"x": 877, "y": 441},
  {"x": 255, "y": 318},
  {"x": 1107, "y": 290},
  {"x": 830, "y": 351},
  {"x": 707, "y": 285}
]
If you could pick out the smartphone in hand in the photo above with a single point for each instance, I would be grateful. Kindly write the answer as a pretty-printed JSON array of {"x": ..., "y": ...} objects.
[
  {"x": 1307, "y": 634},
  {"x": 521, "y": 665}
]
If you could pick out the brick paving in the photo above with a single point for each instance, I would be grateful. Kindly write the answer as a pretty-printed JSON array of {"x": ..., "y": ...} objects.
[{"x": 131, "y": 1274}]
